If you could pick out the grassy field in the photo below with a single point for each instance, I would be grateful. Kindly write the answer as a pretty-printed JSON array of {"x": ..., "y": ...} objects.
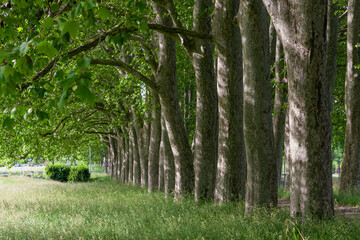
[{"x": 104, "y": 209}]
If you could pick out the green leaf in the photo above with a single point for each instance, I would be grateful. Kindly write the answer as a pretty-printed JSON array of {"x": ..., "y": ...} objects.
[
  {"x": 84, "y": 63},
  {"x": 6, "y": 71},
  {"x": 66, "y": 83},
  {"x": 70, "y": 27},
  {"x": 48, "y": 23},
  {"x": 62, "y": 101},
  {"x": 23, "y": 48},
  {"x": 59, "y": 74},
  {"x": 24, "y": 64},
  {"x": 3, "y": 55},
  {"x": 90, "y": 4},
  {"x": 85, "y": 95},
  {"x": 45, "y": 48},
  {"x": 104, "y": 14},
  {"x": 8, "y": 123}
]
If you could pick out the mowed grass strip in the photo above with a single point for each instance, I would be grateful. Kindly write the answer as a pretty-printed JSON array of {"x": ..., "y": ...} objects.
[{"x": 44, "y": 209}]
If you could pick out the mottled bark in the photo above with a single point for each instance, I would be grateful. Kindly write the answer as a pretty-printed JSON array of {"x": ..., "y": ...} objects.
[
  {"x": 287, "y": 152},
  {"x": 231, "y": 165},
  {"x": 332, "y": 31},
  {"x": 166, "y": 79},
  {"x": 119, "y": 156},
  {"x": 169, "y": 167},
  {"x": 136, "y": 157},
  {"x": 145, "y": 142},
  {"x": 113, "y": 156},
  {"x": 206, "y": 104},
  {"x": 279, "y": 107},
  {"x": 350, "y": 175},
  {"x": 161, "y": 162},
  {"x": 154, "y": 148},
  {"x": 110, "y": 157},
  {"x": 273, "y": 39},
  {"x": 301, "y": 26},
  {"x": 261, "y": 186},
  {"x": 124, "y": 160},
  {"x": 131, "y": 155}
]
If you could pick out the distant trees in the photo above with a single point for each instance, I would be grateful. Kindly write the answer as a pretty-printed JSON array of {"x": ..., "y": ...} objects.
[
  {"x": 181, "y": 93},
  {"x": 351, "y": 163}
]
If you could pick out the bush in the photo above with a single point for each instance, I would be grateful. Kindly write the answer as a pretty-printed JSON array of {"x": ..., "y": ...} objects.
[
  {"x": 79, "y": 173},
  {"x": 58, "y": 172}
]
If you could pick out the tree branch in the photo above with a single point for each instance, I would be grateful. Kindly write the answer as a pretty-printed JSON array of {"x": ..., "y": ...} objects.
[{"x": 125, "y": 67}]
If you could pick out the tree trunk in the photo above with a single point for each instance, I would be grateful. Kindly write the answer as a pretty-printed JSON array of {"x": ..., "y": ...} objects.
[
  {"x": 273, "y": 39},
  {"x": 301, "y": 26},
  {"x": 332, "y": 31},
  {"x": 166, "y": 78},
  {"x": 279, "y": 107},
  {"x": 287, "y": 152},
  {"x": 124, "y": 160},
  {"x": 145, "y": 143},
  {"x": 109, "y": 158},
  {"x": 136, "y": 157},
  {"x": 154, "y": 148},
  {"x": 350, "y": 176},
  {"x": 113, "y": 156},
  {"x": 131, "y": 156},
  {"x": 169, "y": 167},
  {"x": 119, "y": 156},
  {"x": 161, "y": 161},
  {"x": 258, "y": 130},
  {"x": 206, "y": 105},
  {"x": 231, "y": 166}
]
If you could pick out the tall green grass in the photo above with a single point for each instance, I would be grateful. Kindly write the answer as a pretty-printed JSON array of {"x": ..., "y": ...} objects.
[{"x": 104, "y": 209}]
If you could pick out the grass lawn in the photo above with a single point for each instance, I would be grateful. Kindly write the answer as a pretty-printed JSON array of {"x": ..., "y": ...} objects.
[{"x": 104, "y": 209}]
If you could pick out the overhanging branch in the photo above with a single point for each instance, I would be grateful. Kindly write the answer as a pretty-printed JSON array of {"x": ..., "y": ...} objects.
[{"x": 125, "y": 67}]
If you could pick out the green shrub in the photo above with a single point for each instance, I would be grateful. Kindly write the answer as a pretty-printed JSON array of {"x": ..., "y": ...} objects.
[
  {"x": 79, "y": 173},
  {"x": 58, "y": 172}
]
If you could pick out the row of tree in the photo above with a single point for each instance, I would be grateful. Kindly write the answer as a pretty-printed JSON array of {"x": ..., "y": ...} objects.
[{"x": 185, "y": 110}]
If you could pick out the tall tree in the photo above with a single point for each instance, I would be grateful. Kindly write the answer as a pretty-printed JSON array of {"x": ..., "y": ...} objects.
[
  {"x": 301, "y": 25},
  {"x": 279, "y": 107},
  {"x": 154, "y": 148},
  {"x": 350, "y": 177},
  {"x": 206, "y": 104},
  {"x": 168, "y": 91},
  {"x": 231, "y": 166},
  {"x": 261, "y": 185}
]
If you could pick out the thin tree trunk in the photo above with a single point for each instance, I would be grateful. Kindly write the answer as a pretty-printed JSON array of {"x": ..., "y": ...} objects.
[
  {"x": 169, "y": 167},
  {"x": 258, "y": 130},
  {"x": 124, "y": 160},
  {"x": 136, "y": 158},
  {"x": 332, "y": 32},
  {"x": 350, "y": 175},
  {"x": 206, "y": 105},
  {"x": 109, "y": 158},
  {"x": 154, "y": 148},
  {"x": 127, "y": 158},
  {"x": 145, "y": 135},
  {"x": 279, "y": 107},
  {"x": 287, "y": 152},
  {"x": 131, "y": 155},
  {"x": 161, "y": 161},
  {"x": 231, "y": 166},
  {"x": 119, "y": 156},
  {"x": 273, "y": 39}
]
